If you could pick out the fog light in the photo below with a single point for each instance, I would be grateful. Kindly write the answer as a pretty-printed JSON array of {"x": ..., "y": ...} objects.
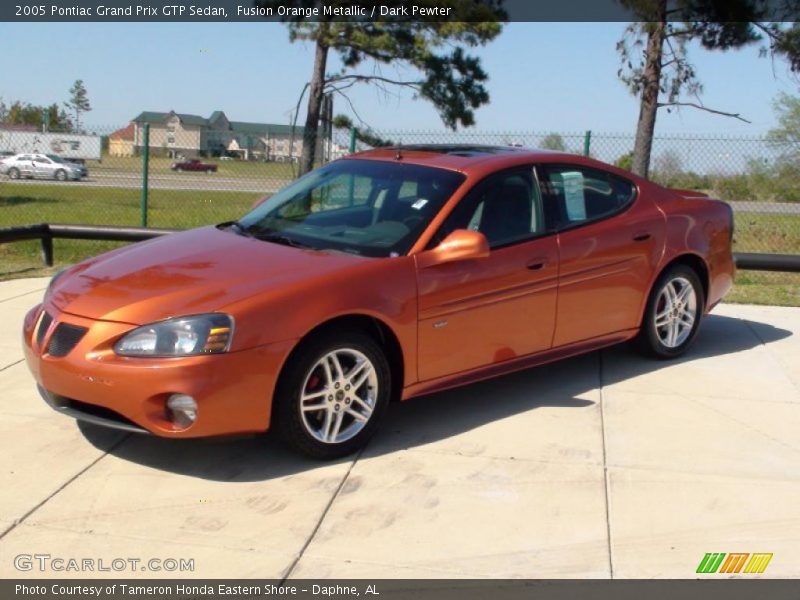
[{"x": 182, "y": 410}]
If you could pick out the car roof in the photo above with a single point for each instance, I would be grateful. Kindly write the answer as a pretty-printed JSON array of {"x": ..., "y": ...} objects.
[
  {"x": 460, "y": 157},
  {"x": 479, "y": 160}
]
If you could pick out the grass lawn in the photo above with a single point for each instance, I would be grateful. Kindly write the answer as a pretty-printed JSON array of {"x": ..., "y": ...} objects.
[
  {"x": 27, "y": 204},
  {"x": 32, "y": 203}
]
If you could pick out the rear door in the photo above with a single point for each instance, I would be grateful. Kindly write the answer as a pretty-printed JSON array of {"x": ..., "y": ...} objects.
[
  {"x": 610, "y": 241},
  {"x": 475, "y": 313}
]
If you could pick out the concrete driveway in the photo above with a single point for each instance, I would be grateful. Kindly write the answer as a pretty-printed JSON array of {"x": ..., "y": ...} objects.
[{"x": 607, "y": 465}]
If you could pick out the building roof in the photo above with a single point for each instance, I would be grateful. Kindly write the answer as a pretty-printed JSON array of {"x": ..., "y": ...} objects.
[
  {"x": 239, "y": 127},
  {"x": 126, "y": 133},
  {"x": 150, "y": 116},
  {"x": 264, "y": 128}
]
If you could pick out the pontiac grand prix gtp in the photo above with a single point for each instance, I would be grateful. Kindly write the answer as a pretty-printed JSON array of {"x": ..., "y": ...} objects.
[{"x": 382, "y": 276}]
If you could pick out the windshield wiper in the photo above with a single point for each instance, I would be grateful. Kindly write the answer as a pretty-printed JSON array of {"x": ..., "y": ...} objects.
[
  {"x": 277, "y": 238},
  {"x": 235, "y": 226},
  {"x": 261, "y": 233}
]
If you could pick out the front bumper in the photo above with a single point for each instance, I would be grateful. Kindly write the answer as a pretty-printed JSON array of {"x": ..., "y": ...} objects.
[{"x": 91, "y": 383}]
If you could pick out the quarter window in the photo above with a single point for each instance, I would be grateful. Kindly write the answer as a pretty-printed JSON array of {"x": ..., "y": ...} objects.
[{"x": 581, "y": 195}]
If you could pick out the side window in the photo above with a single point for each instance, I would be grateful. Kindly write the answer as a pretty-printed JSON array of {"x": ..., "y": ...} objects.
[
  {"x": 582, "y": 195},
  {"x": 506, "y": 208}
]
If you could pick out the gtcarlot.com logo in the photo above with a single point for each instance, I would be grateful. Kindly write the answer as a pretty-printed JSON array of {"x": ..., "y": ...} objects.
[{"x": 58, "y": 564}]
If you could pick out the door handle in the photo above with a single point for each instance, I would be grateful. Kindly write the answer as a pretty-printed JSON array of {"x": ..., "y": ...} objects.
[
  {"x": 536, "y": 264},
  {"x": 641, "y": 237}
]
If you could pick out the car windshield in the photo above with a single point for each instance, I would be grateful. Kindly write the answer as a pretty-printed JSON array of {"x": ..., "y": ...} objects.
[
  {"x": 367, "y": 207},
  {"x": 55, "y": 158}
]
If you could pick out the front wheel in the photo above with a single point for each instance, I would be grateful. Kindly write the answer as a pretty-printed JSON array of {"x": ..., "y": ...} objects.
[
  {"x": 61, "y": 175},
  {"x": 673, "y": 313},
  {"x": 332, "y": 395}
]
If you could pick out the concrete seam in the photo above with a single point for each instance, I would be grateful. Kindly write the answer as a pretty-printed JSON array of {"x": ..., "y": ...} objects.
[
  {"x": 21, "y": 295},
  {"x": 63, "y": 486},
  {"x": 754, "y": 331},
  {"x": 606, "y": 482},
  {"x": 8, "y": 366},
  {"x": 322, "y": 516}
]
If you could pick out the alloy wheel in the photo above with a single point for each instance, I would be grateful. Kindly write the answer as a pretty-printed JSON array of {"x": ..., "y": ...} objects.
[
  {"x": 676, "y": 312},
  {"x": 338, "y": 396}
]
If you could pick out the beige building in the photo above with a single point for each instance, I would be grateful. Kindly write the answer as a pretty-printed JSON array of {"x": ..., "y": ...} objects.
[
  {"x": 120, "y": 143},
  {"x": 178, "y": 134}
]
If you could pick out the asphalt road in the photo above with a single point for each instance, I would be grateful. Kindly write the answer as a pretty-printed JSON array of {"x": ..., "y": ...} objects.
[{"x": 178, "y": 181}]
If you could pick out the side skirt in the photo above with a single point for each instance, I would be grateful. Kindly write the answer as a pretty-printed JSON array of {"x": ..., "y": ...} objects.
[{"x": 516, "y": 364}]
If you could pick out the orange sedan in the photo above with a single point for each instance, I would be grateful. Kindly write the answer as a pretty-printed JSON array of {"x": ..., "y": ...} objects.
[{"x": 386, "y": 275}]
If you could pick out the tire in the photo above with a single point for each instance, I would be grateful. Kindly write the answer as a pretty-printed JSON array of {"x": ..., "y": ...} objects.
[
  {"x": 328, "y": 397},
  {"x": 61, "y": 175},
  {"x": 13, "y": 173},
  {"x": 673, "y": 314}
]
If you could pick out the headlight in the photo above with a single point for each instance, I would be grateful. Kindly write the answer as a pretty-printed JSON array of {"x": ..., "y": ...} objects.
[{"x": 182, "y": 336}]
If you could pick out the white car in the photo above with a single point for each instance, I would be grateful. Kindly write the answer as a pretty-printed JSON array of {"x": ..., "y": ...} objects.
[{"x": 42, "y": 166}]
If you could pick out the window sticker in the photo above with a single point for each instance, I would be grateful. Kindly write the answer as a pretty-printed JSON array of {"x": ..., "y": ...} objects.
[
  {"x": 574, "y": 196},
  {"x": 419, "y": 204}
]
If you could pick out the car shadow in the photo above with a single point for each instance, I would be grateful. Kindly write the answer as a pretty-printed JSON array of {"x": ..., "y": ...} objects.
[
  {"x": 18, "y": 200},
  {"x": 436, "y": 416}
]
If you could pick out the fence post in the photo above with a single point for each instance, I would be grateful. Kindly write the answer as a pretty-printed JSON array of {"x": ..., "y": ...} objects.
[
  {"x": 352, "y": 140},
  {"x": 145, "y": 169},
  {"x": 47, "y": 250},
  {"x": 587, "y": 142}
]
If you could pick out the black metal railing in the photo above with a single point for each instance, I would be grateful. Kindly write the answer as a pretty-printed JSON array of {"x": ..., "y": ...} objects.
[{"x": 47, "y": 232}]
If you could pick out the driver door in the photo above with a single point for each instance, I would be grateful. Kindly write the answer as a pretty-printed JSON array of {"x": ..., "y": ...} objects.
[
  {"x": 479, "y": 312},
  {"x": 42, "y": 168}
]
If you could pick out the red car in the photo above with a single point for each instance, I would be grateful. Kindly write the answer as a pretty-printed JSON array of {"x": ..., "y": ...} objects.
[
  {"x": 382, "y": 276},
  {"x": 194, "y": 165}
]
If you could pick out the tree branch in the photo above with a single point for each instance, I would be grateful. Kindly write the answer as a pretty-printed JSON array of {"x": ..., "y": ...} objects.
[
  {"x": 352, "y": 108},
  {"x": 705, "y": 108},
  {"x": 372, "y": 78}
]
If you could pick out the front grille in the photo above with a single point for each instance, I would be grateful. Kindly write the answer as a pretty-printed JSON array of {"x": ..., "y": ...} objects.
[
  {"x": 44, "y": 324},
  {"x": 64, "y": 339}
]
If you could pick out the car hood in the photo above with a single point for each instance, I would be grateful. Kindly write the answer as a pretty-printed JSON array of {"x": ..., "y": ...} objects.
[{"x": 192, "y": 272}]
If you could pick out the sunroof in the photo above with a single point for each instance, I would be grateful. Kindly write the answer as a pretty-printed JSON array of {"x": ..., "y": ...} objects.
[{"x": 459, "y": 149}]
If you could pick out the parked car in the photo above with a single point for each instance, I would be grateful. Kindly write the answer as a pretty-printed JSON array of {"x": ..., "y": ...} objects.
[
  {"x": 41, "y": 166},
  {"x": 194, "y": 165},
  {"x": 382, "y": 276}
]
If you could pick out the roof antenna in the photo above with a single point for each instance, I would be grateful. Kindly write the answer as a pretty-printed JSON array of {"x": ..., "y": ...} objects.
[{"x": 399, "y": 154}]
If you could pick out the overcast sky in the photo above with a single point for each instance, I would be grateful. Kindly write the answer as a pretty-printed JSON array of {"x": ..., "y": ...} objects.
[{"x": 543, "y": 77}]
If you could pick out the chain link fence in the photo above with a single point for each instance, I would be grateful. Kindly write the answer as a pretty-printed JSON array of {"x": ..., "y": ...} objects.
[{"x": 210, "y": 171}]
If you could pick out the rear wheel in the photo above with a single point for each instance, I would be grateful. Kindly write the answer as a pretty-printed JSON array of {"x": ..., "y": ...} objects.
[
  {"x": 332, "y": 395},
  {"x": 13, "y": 173},
  {"x": 673, "y": 314}
]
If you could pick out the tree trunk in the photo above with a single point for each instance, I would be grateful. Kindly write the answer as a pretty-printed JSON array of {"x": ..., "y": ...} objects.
[
  {"x": 315, "y": 92},
  {"x": 650, "y": 90}
]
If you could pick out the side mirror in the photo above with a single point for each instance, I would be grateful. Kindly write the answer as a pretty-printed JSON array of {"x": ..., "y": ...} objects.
[{"x": 461, "y": 244}]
